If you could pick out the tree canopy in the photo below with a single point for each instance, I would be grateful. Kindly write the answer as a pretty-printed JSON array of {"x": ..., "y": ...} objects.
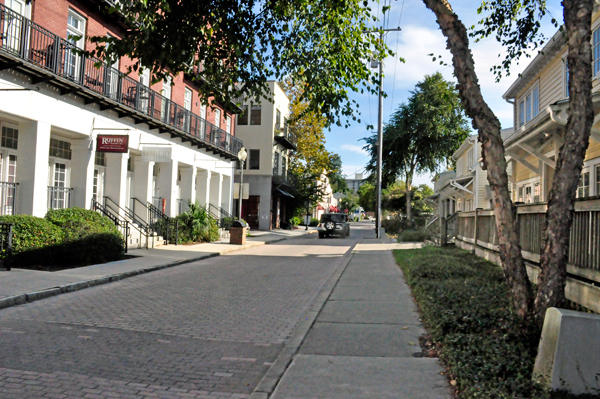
[
  {"x": 321, "y": 44},
  {"x": 422, "y": 134}
]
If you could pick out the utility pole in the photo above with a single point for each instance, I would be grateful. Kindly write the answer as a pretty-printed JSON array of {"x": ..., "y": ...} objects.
[{"x": 380, "y": 136}]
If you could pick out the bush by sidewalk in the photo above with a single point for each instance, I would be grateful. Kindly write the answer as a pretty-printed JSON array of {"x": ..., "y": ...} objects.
[
  {"x": 465, "y": 307},
  {"x": 65, "y": 238}
]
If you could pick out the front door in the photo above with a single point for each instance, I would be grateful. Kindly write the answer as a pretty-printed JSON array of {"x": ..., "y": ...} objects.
[{"x": 250, "y": 210}]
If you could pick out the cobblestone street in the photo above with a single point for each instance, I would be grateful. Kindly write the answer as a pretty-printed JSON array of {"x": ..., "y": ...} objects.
[{"x": 208, "y": 329}]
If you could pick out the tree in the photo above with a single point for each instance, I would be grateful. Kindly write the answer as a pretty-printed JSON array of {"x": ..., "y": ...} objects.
[
  {"x": 350, "y": 202},
  {"x": 336, "y": 179},
  {"x": 516, "y": 24},
  {"x": 308, "y": 190},
  {"x": 422, "y": 134},
  {"x": 222, "y": 43},
  {"x": 366, "y": 196}
]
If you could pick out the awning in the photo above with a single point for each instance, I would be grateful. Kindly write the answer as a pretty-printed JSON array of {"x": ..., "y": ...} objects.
[
  {"x": 320, "y": 208},
  {"x": 285, "y": 193}
]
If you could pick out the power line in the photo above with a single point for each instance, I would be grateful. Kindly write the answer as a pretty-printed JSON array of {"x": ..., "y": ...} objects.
[{"x": 396, "y": 61}]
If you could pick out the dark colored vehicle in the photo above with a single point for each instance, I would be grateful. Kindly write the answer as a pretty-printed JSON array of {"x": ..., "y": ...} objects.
[{"x": 334, "y": 224}]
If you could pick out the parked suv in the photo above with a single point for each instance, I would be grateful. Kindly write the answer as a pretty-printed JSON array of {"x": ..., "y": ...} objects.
[{"x": 334, "y": 224}]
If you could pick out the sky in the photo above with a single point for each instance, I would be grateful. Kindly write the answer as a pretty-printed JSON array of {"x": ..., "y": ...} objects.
[{"x": 418, "y": 37}]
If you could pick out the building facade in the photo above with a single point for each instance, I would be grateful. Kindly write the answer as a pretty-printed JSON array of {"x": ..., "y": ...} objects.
[
  {"x": 263, "y": 128},
  {"x": 55, "y": 103},
  {"x": 355, "y": 183}
]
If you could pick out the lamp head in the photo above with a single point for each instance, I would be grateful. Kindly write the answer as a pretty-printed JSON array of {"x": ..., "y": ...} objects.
[{"x": 242, "y": 155}]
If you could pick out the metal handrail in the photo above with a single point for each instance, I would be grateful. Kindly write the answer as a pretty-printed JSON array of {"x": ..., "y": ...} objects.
[
  {"x": 158, "y": 218},
  {"x": 141, "y": 228},
  {"x": 6, "y": 234},
  {"x": 115, "y": 218},
  {"x": 285, "y": 133},
  {"x": 54, "y": 193},
  {"x": 26, "y": 40}
]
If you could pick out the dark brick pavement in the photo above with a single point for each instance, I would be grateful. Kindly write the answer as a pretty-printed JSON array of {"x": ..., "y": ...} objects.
[{"x": 206, "y": 329}]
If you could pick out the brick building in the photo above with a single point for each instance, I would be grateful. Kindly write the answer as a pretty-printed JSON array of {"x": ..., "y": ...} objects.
[{"x": 54, "y": 103}]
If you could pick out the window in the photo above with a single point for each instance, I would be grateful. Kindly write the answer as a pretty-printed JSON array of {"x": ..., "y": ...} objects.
[
  {"x": 166, "y": 93},
  {"x": 218, "y": 117},
  {"x": 10, "y": 137},
  {"x": 583, "y": 186},
  {"x": 76, "y": 37},
  {"x": 521, "y": 113},
  {"x": 566, "y": 78},
  {"x": 60, "y": 149},
  {"x": 530, "y": 191},
  {"x": 537, "y": 192},
  {"x": 276, "y": 163},
  {"x": 255, "y": 114},
  {"x": 470, "y": 156},
  {"x": 520, "y": 197},
  {"x": 277, "y": 118},
  {"x": 597, "y": 179},
  {"x": 596, "y": 50},
  {"x": 254, "y": 159},
  {"x": 283, "y": 166},
  {"x": 129, "y": 164},
  {"x": 100, "y": 159},
  {"x": 187, "y": 99},
  {"x": 529, "y": 106},
  {"x": 95, "y": 184},
  {"x": 242, "y": 118},
  {"x": 228, "y": 124}
]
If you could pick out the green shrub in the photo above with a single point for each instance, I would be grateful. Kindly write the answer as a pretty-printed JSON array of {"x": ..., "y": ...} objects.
[
  {"x": 196, "y": 225},
  {"x": 295, "y": 221},
  {"x": 314, "y": 222},
  {"x": 414, "y": 236},
  {"x": 34, "y": 240},
  {"x": 65, "y": 238},
  {"x": 465, "y": 306},
  {"x": 79, "y": 223}
]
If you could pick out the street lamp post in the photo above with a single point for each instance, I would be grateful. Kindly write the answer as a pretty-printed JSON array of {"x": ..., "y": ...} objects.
[{"x": 242, "y": 154}]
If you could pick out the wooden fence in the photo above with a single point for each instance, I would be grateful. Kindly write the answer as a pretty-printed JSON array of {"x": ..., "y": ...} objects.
[{"x": 476, "y": 230}]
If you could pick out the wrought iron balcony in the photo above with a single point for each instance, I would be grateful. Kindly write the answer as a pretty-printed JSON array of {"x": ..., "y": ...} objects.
[
  {"x": 286, "y": 138},
  {"x": 8, "y": 193},
  {"x": 46, "y": 57},
  {"x": 59, "y": 197}
]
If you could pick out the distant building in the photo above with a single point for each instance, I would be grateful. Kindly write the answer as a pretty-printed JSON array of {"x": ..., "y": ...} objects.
[{"x": 354, "y": 184}]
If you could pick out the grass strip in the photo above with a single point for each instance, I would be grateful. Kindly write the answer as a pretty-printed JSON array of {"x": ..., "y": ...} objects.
[{"x": 464, "y": 305}]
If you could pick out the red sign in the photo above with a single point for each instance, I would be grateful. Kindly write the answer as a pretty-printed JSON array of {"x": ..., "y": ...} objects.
[{"x": 112, "y": 143}]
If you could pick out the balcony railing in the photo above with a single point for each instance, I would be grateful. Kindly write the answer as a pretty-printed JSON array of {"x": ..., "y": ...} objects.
[
  {"x": 59, "y": 197},
  {"x": 52, "y": 57},
  {"x": 286, "y": 138},
  {"x": 8, "y": 193}
]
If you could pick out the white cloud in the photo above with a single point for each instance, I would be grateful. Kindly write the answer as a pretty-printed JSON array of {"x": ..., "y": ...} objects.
[{"x": 354, "y": 148}]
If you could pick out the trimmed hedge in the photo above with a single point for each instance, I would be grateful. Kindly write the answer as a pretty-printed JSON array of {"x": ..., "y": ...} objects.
[
  {"x": 465, "y": 306},
  {"x": 78, "y": 223},
  {"x": 65, "y": 238}
]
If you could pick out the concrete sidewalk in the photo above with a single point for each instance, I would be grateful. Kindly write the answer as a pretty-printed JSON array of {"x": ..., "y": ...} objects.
[
  {"x": 19, "y": 286},
  {"x": 364, "y": 342}
]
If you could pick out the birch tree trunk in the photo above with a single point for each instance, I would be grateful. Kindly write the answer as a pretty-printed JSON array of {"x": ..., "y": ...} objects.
[
  {"x": 559, "y": 219},
  {"x": 488, "y": 127}
]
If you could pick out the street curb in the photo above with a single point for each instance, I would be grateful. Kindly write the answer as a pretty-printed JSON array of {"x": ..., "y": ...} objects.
[
  {"x": 269, "y": 382},
  {"x": 22, "y": 299}
]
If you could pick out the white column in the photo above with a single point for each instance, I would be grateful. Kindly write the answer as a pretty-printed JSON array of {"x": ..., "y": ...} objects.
[
  {"x": 167, "y": 181},
  {"x": 142, "y": 185},
  {"x": 203, "y": 187},
  {"x": 82, "y": 172},
  {"x": 188, "y": 184},
  {"x": 32, "y": 168},
  {"x": 216, "y": 189},
  {"x": 227, "y": 196},
  {"x": 116, "y": 179}
]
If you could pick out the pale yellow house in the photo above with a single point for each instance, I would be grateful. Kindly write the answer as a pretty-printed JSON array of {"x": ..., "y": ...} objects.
[
  {"x": 540, "y": 100},
  {"x": 466, "y": 188}
]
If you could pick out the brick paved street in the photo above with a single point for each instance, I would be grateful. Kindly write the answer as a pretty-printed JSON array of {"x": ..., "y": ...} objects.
[{"x": 208, "y": 329}]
